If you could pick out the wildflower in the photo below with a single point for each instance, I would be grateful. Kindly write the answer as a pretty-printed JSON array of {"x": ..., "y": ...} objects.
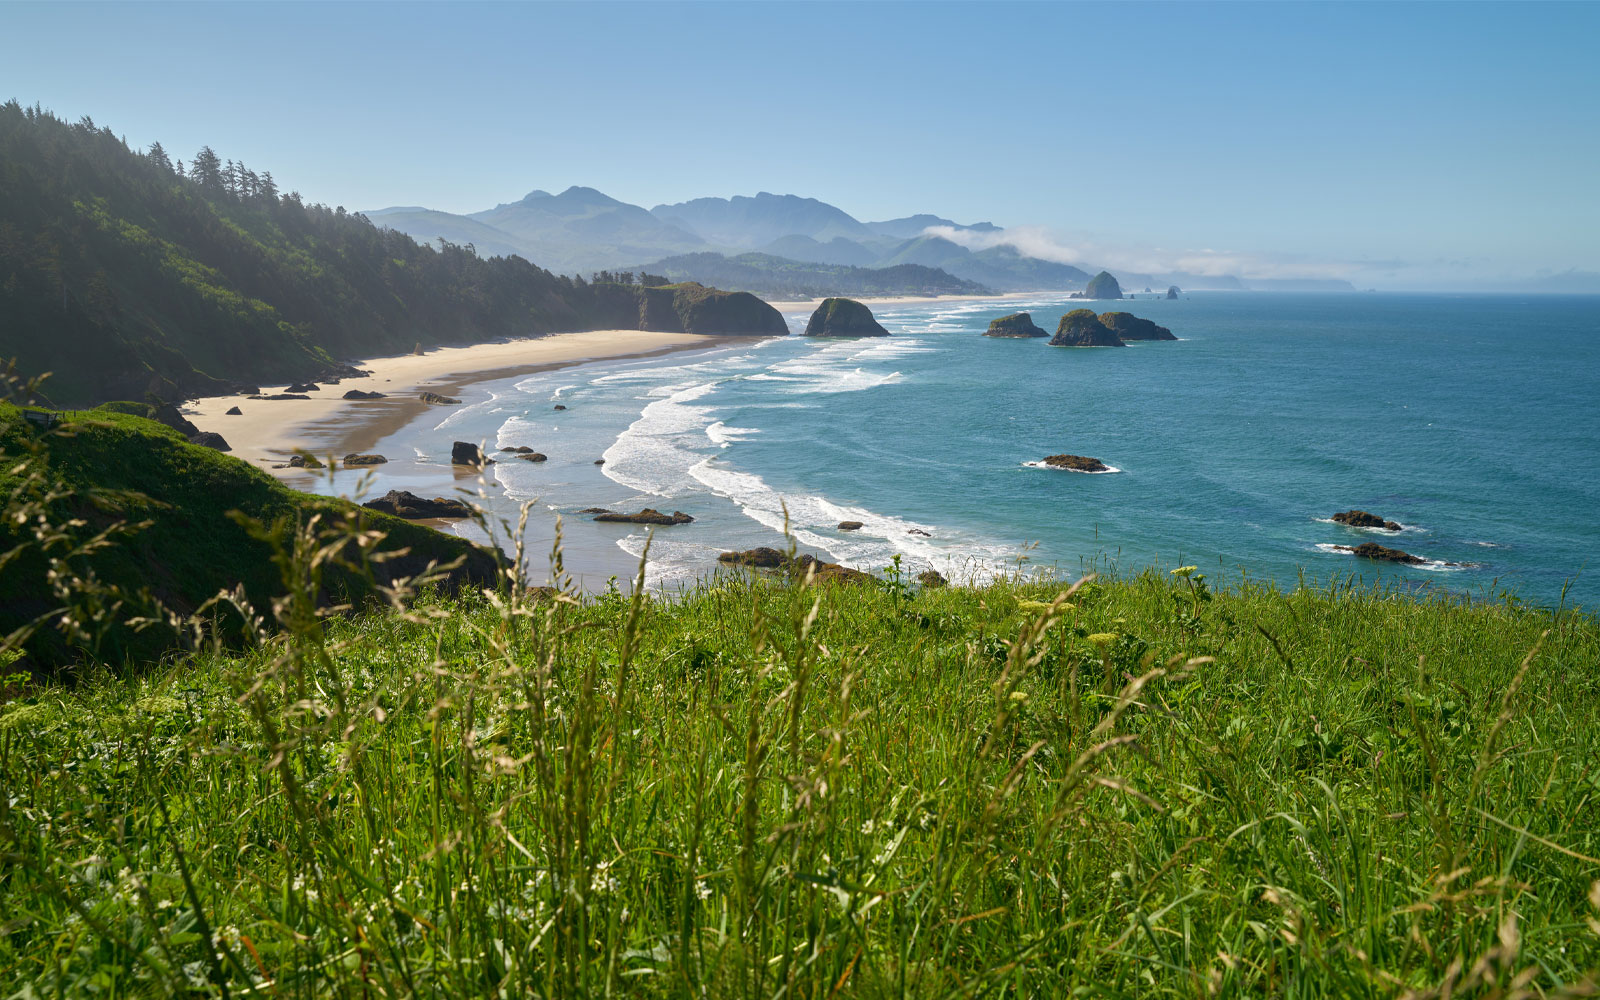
[
  {"x": 1103, "y": 638},
  {"x": 1184, "y": 570},
  {"x": 1019, "y": 696},
  {"x": 867, "y": 827}
]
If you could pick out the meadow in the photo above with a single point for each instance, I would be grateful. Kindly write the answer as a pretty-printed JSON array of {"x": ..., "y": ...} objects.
[{"x": 770, "y": 787}]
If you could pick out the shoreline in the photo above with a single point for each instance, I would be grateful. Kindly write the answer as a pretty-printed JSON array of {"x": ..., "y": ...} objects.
[{"x": 267, "y": 432}]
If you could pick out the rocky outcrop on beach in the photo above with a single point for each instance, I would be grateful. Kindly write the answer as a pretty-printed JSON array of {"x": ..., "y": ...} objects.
[
  {"x": 1362, "y": 519},
  {"x": 647, "y": 516},
  {"x": 354, "y": 460},
  {"x": 1082, "y": 328},
  {"x": 234, "y": 411},
  {"x": 843, "y": 318},
  {"x": 533, "y": 456},
  {"x": 358, "y": 394},
  {"x": 304, "y": 462},
  {"x": 1015, "y": 325},
  {"x": 1173, "y": 291},
  {"x": 404, "y": 503},
  {"x": 1077, "y": 463},
  {"x": 1101, "y": 286},
  {"x": 303, "y": 387},
  {"x": 280, "y": 395},
  {"x": 467, "y": 453},
  {"x": 1127, "y": 327},
  {"x": 801, "y": 565},
  {"x": 209, "y": 439},
  {"x": 931, "y": 579},
  {"x": 851, "y": 526},
  {"x": 433, "y": 398},
  {"x": 1372, "y": 550}
]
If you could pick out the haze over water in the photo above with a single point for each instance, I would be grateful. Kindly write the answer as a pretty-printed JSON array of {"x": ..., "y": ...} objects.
[{"x": 1467, "y": 418}]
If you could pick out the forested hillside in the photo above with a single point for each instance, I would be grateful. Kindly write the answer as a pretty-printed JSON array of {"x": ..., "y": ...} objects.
[{"x": 126, "y": 272}]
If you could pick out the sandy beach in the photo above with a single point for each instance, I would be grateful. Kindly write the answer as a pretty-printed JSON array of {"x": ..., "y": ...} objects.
[{"x": 266, "y": 432}]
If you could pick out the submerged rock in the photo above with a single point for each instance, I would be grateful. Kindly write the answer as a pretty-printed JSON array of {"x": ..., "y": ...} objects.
[
  {"x": 1362, "y": 519},
  {"x": 647, "y": 516},
  {"x": 1077, "y": 463},
  {"x": 919, "y": 531},
  {"x": 843, "y": 318},
  {"x": 1372, "y": 550},
  {"x": 467, "y": 453},
  {"x": 1127, "y": 326},
  {"x": 437, "y": 400},
  {"x": 533, "y": 456},
  {"x": 1082, "y": 328},
  {"x": 404, "y": 503},
  {"x": 851, "y": 526},
  {"x": 1015, "y": 325}
]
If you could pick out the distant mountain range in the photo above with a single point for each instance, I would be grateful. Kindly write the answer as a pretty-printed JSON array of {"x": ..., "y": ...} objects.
[{"x": 768, "y": 241}]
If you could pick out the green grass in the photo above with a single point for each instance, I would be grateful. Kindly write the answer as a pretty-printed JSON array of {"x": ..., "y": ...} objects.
[{"x": 767, "y": 789}]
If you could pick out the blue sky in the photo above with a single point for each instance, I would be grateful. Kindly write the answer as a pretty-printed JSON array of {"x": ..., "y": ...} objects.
[{"x": 1399, "y": 145}]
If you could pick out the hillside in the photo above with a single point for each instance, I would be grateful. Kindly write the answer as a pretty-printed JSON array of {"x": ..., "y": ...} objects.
[
  {"x": 99, "y": 468},
  {"x": 743, "y": 223},
  {"x": 125, "y": 274},
  {"x": 581, "y": 229},
  {"x": 1135, "y": 788},
  {"x": 780, "y": 278}
]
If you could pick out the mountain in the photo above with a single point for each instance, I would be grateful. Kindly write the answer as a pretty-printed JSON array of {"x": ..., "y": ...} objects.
[
  {"x": 999, "y": 267},
  {"x": 744, "y": 222},
  {"x": 428, "y": 226},
  {"x": 123, "y": 276},
  {"x": 781, "y": 278},
  {"x": 582, "y": 229},
  {"x": 912, "y": 226},
  {"x": 836, "y": 251}
]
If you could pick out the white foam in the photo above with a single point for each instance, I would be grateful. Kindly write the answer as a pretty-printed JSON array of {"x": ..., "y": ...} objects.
[
  {"x": 1431, "y": 565},
  {"x": 1371, "y": 530},
  {"x": 654, "y": 454},
  {"x": 1084, "y": 472},
  {"x": 722, "y": 435}
]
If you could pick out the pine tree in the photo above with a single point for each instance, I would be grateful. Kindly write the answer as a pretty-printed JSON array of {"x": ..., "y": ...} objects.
[
  {"x": 206, "y": 169},
  {"x": 158, "y": 156}
]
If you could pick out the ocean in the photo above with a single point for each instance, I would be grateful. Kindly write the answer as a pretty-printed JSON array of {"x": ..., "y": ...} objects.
[{"x": 1473, "y": 420}]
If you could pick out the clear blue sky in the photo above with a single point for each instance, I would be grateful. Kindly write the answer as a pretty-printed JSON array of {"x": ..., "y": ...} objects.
[{"x": 1424, "y": 143}]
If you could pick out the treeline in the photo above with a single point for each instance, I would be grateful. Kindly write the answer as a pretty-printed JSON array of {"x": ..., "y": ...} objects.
[
  {"x": 127, "y": 272},
  {"x": 782, "y": 278}
]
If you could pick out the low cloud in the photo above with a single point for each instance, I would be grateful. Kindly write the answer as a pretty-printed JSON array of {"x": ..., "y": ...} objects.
[{"x": 1040, "y": 242}]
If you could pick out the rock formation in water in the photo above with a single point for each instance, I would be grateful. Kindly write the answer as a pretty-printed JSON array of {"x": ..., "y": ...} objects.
[
  {"x": 1082, "y": 328},
  {"x": 843, "y": 318},
  {"x": 1015, "y": 325},
  {"x": 1172, "y": 291},
  {"x": 1372, "y": 550},
  {"x": 647, "y": 516},
  {"x": 437, "y": 400},
  {"x": 1101, "y": 286},
  {"x": 1077, "y": 463},
  {"x": 353, "y": 459},
  {"x": 759, "y": 558},
  {"x": 1127, "y": 327},
  {"x": 467, "y": 453},
  {"x": 851, "y": 526},
  {"x": 1362, "y": 519}
]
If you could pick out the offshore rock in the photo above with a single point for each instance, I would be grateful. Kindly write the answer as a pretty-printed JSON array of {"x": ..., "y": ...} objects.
[
  {"x": 1015, "y": 325},
  {"x": 1077, "y": 463},
  {"x": 647, "y": 516},
  {"x": 843, "y": 318},
  {"x": 1127, "y": 326},
  {"x": 1362, "y": 519},
  {"x": 404, "y": 503},
  {"x": 1372, "y": 550},
  {"x": 851, "y": 526},
  {"x": 1172, "y": 291},
  {"x": 1082, "y": 328},
  {"x": 467, "y": 453}
]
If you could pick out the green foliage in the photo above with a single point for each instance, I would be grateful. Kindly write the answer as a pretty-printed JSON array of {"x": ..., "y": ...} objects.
[{"x": 1140, "y": 787}]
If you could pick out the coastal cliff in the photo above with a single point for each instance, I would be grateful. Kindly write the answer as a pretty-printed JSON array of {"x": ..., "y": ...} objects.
[
  {"x": 843, "y": 318},
  {"x": 1082, "y": 328},
  {"x": 1127, "y": 326},
  {"x": 1015, "y": 325}
]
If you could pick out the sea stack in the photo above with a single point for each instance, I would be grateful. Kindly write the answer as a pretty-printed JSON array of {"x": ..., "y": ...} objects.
[
  {"x": 1172, "y": 291},
  {"x": 1127, "y": 327},
  {"x": 1015, "y": 325},
  {"x": 1102, "y": 286},
  {"x": 843, "y": 318},
  {"x": 1082, "y": 328}
]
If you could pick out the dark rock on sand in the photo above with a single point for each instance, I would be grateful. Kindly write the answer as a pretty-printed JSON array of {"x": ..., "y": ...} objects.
[
  {"x": 305, "y": 462},
  {"x": 467, "y": 453},
  {"x": 1362, "y": 519},
  {"x": 210, "y": 439},
  {"x": 358, "y": 394},
  {"x": 1082, "y": 328},
  {"x": 354, "y": 459},
  {"x": 234, "y": 411},
  {"x": 647, "y": 516},
  {"x": 1127, "y": 326},
  {"x": 599, "y": 461},
  {"x": 438, "y": 400},
  {"x": 843, "y": 318},
  {"x": 931, "y": 579},
  {"x": 851, "y": 526},
  {"x": 1077, "y": 463},
  {"x": 1015, "y": 325},
  {"x": 283, "y": 395},
  {"x": 520, "y": 449},
  {"x": 403, "y": 503},
  {"x": 1372, "y": 550},
  {"x": 303, "y": 387}
]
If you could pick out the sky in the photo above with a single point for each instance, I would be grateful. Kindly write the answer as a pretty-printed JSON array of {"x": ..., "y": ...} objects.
[{"x": 1396, "y": 145}]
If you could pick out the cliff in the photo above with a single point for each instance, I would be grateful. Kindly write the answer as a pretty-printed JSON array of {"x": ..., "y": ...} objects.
[
  {"x": 843, "y": 318},
  {"x": 1127, "y": 326}
]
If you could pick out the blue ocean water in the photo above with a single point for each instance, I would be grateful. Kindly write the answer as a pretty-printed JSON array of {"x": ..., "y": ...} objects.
[{"x": 1474, "y": 420}]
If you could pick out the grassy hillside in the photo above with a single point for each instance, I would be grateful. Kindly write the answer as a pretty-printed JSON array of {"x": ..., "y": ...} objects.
[
  {"x": 172, "y": 540},
  {"x": 1136, "y": 789}
]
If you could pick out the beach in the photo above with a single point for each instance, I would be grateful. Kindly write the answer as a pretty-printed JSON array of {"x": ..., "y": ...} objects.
[{"x": 266, "y": 432}]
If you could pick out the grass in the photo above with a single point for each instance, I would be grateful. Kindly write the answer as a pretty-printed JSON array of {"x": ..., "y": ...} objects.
[{"x": 1136, "y": 787}]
